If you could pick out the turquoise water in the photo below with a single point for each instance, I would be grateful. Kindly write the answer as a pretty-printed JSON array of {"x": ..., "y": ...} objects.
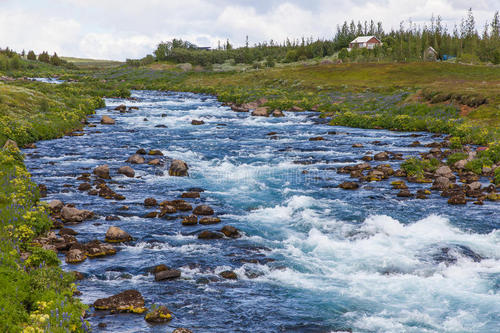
[{"x": 313, "y": 258}]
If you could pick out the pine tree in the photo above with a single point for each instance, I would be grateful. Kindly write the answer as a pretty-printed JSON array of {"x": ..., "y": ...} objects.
[{"x": 31, "y": 55}]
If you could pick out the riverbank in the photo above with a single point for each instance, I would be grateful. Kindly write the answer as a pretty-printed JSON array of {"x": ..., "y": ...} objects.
[{"x": 35, "y": 293}]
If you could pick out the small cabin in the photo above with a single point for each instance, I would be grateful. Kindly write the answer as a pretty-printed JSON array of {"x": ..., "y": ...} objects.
[
  {"x": 430, "y": 54},
  {"x": 368, "y": 42}
]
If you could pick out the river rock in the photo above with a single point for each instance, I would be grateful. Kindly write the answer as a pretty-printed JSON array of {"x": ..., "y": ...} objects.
[
  {"x": 197, "y": 122},
  {"x": 150, "y": 202},
  {"x": 209, "y": 220},
  {"x": 203, "y": 210},
  {"x": 102, "y": 171},
  {"x": 207, "y": 234},
  {"x": 167, "y": 274},
  {"x": 441, "y": 183},
  {"x": 474, "y": 186},
  {"x": 404, "y": 193},
  {"x": 155, "y": 152},
  {"x": 191, "y": 195},
  {"x": 261, "y": 112},
  {"x": 181, "y": 330},
  {"x": 167, "y": 209},
  {"x": 96, "y": 249},
  {"x": 278, "y": 113},
  {"x": 151, "y": 215},
  {"x": 178, "y": 168},
  {"x": 382, "y": 156},
  {"x": 349, "y": 185},
  {"x": 75, "y": 256},
  {"x": 460, "y": 165},
  {"x": 230, "y": 231},
  {"x": 126, "y": 301},
  {"x": 55, "y": 206},
  {"x": 72, "y": 214},
  {"x": 159, "y": 315},
  {"x": 444, "y": 171},
  {"x": 230, "y": 275},
  {"x": 458, "y": 199},
  {"x": 190, "y": 220},
  {"x": 179, "y": 204},
  {"x": 121, "y": 108},
  {"x": 84, "y": 187},
  {"x": 127, "y": 171},
  {"x": 117, "y": 235},
  {"x": 141, "y": 151},
  {"x": 136, "y": 159},
  {"x": 357, "y": 145},
  {"x": 106, "y": 120}
]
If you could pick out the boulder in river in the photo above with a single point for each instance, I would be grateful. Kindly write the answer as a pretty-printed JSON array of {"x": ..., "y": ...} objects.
[
  {"x": 96, "y": 248},
  {"x": 230, "y": 231},
  {"x": 197, "y": 122},
  {"x": 178, "y": 168},
  {"x": 155, "y": 152},
  {"x": 167, "y": 209},
  {"x": 126, "y": 301},
  {"x": 458, "y": 199},
  {"x": 167, "y": 274},
  {"x": 106, "y": 120},
  {"x": 182, "y": 330},
  {"x": 150, "y": 202},
  {"x": 191, "y": 195},
  {"x": 117, "y": 235},
  {"x": 278, "y": 113},
  {"x": 190, "y": 220},
  {"x": 382, "y": 156},
  {"x": 209, "y": 220},
  {"x": 203, "y": 210},
  {"x": 72, "y": 214},
  {"x": 229, "y": 275},
  {"x": 127, "y": 171},
  {"x": 121, "y": 108},
  {"x": 102, "y": 171},
  {"x": 155, "y": 161},
  {"x": 261, "y": 112},
  {"x": 84, "y": 187},
  {"x": 55, "y": 206},
  {"x": 158, "y": 315},
  {"x": 207, "y": 234},
  {"x": 349, "y": 185},
  {"x": 75, "y": 256},
  {"x": 136, "y": 159}
]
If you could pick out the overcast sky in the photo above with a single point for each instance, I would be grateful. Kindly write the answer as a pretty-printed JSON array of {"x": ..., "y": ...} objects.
[{"x": 119, "y": 29}]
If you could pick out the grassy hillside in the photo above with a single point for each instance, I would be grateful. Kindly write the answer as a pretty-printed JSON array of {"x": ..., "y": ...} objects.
[
  {"x": 84, "y": 63},
  {"x": 462, "y": 100}
]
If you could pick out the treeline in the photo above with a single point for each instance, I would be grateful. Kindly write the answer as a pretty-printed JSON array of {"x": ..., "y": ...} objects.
[
  {"x": 408, "y": 43},
  {"x": 11, "y": 60}
]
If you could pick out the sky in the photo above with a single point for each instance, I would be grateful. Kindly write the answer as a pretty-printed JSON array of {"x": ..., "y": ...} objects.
[{"x": 120, "y": 29}]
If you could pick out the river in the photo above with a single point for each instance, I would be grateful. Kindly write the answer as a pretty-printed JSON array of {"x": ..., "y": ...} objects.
[{"x": 313, "y": 257}]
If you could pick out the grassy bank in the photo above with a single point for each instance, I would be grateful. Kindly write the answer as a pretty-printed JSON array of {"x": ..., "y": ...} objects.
[
  {"x": 461, "y": 100},
  {"x": 35, "y": 294}
]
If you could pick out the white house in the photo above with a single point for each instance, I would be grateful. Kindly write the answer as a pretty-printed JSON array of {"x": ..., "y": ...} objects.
[{"x": 368, "y": 42}]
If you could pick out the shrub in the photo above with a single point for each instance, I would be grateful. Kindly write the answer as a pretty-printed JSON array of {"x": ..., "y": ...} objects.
[
  {"x": 455, "y": 143},
  {"x": 454, "y": 158},
  {"x": 415, "y": 167}
]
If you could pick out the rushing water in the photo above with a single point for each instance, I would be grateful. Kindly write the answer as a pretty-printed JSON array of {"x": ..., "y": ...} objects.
[{"x": 327, "y": 259}]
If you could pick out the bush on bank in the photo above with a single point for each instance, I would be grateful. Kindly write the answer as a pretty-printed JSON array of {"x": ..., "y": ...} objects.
[{"x": 35, "y": 294}]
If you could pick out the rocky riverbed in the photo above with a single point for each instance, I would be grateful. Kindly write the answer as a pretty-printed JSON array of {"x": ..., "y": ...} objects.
[{"x": 234, "y": 221}]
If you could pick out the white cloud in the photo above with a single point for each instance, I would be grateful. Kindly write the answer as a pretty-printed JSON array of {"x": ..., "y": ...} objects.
[{"x": 115, "y": 29}]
